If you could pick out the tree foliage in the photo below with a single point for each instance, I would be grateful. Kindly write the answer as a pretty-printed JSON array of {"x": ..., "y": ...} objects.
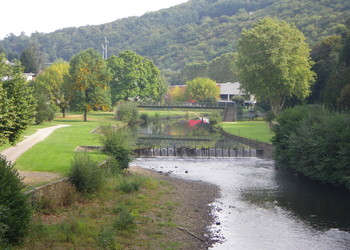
[
  {"x": 202, "y": 90},
  {"x": 134, "y": 77},
  {"x": 15, "y": 210},
  {"x": 274, "y": 62},
  {"x": 177, "y": 94},
  {"x": 332, "y": 65},
  {"x": 315, "y": 143},
  {"x": 17, "y": 104},
  {"x": 89, "y": 82},
  {"x": 55, "y": 80},
  {"x": 221, "y": 69},
  {"x": 31, "y": 59}
]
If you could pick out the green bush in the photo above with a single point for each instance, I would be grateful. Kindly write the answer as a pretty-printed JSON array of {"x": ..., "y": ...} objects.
[
  {"x": 113, "y": 167},
  {"x": 128, "y": 113},
  {"x": 215, "y": 118},
  {"x": 118, "y": 143},
  {"x": 130, "y": 185},
  {"x": 144, "y": 117},
  {"x": 15, "y": 210},
  {"x": 124, "y": 220},
  {"x": 314, "y": 142},
  {"x": 85, "y": 174}
]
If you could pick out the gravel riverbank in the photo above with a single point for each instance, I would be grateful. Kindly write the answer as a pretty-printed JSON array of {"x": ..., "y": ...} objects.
[{"x": 192, "y": 215}]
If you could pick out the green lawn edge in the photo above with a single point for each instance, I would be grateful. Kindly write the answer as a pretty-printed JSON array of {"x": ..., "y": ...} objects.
[{"x": 255, "y": 130}]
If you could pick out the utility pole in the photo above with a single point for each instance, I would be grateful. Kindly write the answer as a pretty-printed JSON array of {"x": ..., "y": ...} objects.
[{"x": 105, "y": 49}]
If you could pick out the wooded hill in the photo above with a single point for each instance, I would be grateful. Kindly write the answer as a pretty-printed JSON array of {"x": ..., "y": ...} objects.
[{"x": 190, "y": 32}]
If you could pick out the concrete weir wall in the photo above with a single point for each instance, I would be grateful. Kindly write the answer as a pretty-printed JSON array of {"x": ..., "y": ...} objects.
[
  {"x": 57, "y": 193},
  {"x": 263, "y": 150}
]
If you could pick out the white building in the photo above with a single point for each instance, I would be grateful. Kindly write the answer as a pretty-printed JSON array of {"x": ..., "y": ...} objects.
[{"x": 230, "y": 89}]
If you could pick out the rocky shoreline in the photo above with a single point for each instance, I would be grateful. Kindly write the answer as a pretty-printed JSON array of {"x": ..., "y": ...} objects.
[{"x": 192, "y": 214}]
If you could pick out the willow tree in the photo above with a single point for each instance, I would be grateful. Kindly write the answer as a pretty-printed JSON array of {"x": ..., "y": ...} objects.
[{"x": 274, "y": 62}]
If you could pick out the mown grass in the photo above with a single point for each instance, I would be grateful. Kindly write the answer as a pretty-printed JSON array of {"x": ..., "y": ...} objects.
[
  {"x": 56, "y": 152},
  {"x": 110, "y": 219},
  {"x": 256, "y": 130}
]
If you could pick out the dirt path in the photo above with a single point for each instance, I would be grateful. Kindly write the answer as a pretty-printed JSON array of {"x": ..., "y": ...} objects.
[{"x": 13, "y": 153}]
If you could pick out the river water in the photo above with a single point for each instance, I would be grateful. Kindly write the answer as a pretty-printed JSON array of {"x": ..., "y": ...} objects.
[{"x": 262, "y": 207}]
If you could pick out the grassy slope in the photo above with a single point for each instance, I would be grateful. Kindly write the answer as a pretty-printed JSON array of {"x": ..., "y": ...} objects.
[
  {"x": 256, "y": 130},
  {"x": 89, "y": 223}
]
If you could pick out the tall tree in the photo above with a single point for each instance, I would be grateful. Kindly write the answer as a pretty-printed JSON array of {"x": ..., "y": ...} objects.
[
  {"x": 274, "y": 62},
  {"x": 89, "y": 82},
  {"x": 55, "y": 80},
  {"x": 222, "y": 69},
  {"x": 17, "y": 104},
  {"x": 31, "y": 59},
  {"x": 202, "y": 90},
  {"x": 133, "y": 77}
]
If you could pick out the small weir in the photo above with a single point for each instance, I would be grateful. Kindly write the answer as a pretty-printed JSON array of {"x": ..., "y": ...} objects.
[{"x": 195, "y": 152}]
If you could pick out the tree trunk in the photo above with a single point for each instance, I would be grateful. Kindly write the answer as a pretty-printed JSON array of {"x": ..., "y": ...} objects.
[
  {"x": 63, "y": 110},
  {"x": 85, "y": 115},
  {"x": 276, "y": 107}
]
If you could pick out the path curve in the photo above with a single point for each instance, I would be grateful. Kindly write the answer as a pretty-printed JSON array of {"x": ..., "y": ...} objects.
[{"x": 14, "y": 152}]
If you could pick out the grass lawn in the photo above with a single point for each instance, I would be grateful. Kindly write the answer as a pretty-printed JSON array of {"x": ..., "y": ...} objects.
[
  {"x": 256, "y": 130},
  {"x": 55, "y": 153}
]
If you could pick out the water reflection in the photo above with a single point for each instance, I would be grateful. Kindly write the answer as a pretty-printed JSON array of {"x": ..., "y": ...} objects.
[
  {"x": 322, "y": 206},
  {"x": 187, "y": 133}
]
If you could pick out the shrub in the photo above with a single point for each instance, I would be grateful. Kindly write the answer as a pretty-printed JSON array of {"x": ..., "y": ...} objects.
[
  {"x": 128, "y": 113},
  {"x": 130, "y": 185},
  {"x": 215, "y": 117},
  {"x": 15, "y": 210},
  {"x": 315, "y": 143},
  {"x": 118, "y": 143},
  {"x": 124, "y": 220},
  {"x": 113, "y": 167},
  {"x": 144, "y": 117},
  {"x": 85, "y": 174}
]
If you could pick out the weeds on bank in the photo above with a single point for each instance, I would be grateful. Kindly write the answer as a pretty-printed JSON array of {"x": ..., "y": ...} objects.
[{"x": 128, "y": 210}]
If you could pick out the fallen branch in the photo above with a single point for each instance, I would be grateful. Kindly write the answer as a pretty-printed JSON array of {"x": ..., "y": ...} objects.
[{"x": 190, "y": 233}]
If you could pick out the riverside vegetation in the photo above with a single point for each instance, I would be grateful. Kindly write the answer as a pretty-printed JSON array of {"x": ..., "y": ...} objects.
[
  {"x": 315, "y": 142},
  {"x": 111, "y": 210}
]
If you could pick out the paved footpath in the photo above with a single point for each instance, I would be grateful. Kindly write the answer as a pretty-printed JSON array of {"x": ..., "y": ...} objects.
[{"x": 13, "y": 153}]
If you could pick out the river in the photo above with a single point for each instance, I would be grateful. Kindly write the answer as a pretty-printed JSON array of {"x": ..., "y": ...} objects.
[{"x": 262, "y": 207}]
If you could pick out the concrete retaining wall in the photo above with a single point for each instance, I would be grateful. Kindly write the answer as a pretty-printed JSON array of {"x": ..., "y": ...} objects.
[{"x": 58, "y": 193}]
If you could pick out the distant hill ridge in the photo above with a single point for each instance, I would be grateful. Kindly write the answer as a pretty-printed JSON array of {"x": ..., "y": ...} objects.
[{"x": 194, "y": 31}]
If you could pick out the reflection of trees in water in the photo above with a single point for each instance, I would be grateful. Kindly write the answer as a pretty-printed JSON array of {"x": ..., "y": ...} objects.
[
  {"x": 323, "y": 207},
  {"x": 181, "y": 129}
]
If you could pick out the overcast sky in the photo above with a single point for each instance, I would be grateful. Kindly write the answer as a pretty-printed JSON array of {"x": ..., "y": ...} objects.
[{"x": 47, "y": 16}]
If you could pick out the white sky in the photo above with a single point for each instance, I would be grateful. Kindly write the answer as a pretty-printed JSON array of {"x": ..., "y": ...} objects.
[{"x": 46, "y": 16}]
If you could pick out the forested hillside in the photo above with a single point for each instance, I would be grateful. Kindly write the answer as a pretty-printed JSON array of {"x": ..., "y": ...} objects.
[{"x": 191, "y": 32}]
